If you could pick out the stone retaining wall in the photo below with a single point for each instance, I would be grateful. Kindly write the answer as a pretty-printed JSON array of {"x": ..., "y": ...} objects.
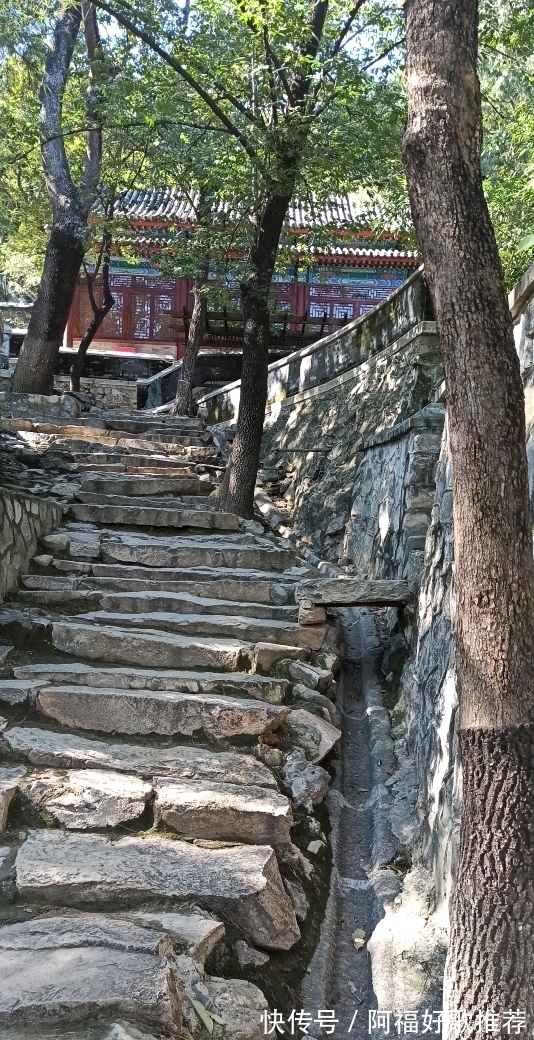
[
  {"x": 24, "y": 519},
  {"x": 106, "y": 393}
]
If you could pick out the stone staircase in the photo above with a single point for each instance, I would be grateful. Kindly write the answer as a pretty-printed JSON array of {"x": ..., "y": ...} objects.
[{"x": 166, "y": 712}]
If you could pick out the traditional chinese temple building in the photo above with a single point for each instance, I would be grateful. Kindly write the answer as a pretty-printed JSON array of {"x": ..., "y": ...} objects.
[{"x": 337, "y": 271}]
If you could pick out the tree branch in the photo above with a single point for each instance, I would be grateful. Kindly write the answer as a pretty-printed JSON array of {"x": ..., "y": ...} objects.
[
  {"x": 185, "y": 75},
  {"x": 93, "y": 162},
  {"x": 61, "y": 188},
  {"x": 301, "y": 84},
  {"x": 346, "y": 28}
]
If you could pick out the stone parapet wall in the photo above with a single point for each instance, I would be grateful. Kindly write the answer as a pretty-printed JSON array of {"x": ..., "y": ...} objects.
[
  {"x": 406, "y": 314},
  {"x": 24, "y": 519}
]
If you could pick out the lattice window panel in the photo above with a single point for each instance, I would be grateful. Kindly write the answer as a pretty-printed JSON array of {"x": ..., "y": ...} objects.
[
  {"x": 162, "y": 305},
  {"x": 342, "y": 310},
  {"x": 113, "y": 325},
  {"x": 120, "y": 279},
  {"x": 140, "y": 316},
  {"x": 317, "y": 310},
  {"x": 150, "y": 282}
]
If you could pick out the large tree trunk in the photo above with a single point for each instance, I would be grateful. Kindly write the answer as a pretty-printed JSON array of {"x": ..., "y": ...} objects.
[
  {"x": 236, "y": 492},
  {"x": 195, "y": 336},
  {"x": 70, "y": 205},
  {"x": 38, "y": 355},
  {"x": 491, "y": 955},
  {"x": 99, "y": 313}
]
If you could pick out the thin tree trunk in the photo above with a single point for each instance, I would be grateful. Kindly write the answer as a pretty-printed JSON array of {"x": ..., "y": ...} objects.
[
  {"x": 236, "y": 492},
  {"x": 195, "y": 336},
  {"x": 99, "y": 313},
  {"x": 491, "y": 957},
  {"x": 70, "y": 205}
]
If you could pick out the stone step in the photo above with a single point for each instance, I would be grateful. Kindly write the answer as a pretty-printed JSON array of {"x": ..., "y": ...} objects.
[
  {"x": 69, "y": 970},
  {"x": 133, "y": 486},
  {"x": 91, "y": 799},
  {"x": 155, "y": 552},
  {"x": 43, "y": 747},
  {"x": 68, "y": 597},
  {"x": 223, "y": 811},
  {"x": 160, "y": 502},
  {"x": 96, "y": 433},
  {"x": 235, "y": 591},
  {"x": 171, "y": 447},
  {"x": 150, "y": 601},
  {"x": 76, "y": 673},
  {"x": 250, "y": 630},
  {"x": 133, "y": 425},
  {"x": 252, "y": 586},
  {"x": 132, "y": 460},
  {"x": 165, "y": 713},
  {"x": 155, "y": 516},
  {"x": 150, "y": 649},
  {"x": 80, "y": 869}
]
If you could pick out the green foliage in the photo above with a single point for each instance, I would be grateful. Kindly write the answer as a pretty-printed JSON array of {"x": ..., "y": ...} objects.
[{"x": 507, "y": 82}]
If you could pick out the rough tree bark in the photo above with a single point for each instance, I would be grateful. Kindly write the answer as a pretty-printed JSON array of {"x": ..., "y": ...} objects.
[
  {"x": 70, "y": 204},
  {"x": 195, "y": 335},
  {"x": 491, "y": 957},
  {"x": 236, "y": 492},
  {"x": 99, "y": 312},
  {"x": 197, "y": 327}
]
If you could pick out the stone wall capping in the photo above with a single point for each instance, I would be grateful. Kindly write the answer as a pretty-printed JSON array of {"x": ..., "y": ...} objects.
[{"x": 353, "y": 592}]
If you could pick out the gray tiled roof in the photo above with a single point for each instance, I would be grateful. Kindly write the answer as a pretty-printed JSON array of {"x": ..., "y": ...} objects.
[{"x": 170, "y": 205}]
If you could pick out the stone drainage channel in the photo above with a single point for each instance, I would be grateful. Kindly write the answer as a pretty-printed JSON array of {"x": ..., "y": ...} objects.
[{"x": 169, "y": 736}]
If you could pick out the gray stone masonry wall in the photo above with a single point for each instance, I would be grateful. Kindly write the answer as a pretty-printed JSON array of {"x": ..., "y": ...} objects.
[
  {"x": 370, "y": 463},
  {"x": 23, "y": 521},
  {"x": 106, "y": 393}
]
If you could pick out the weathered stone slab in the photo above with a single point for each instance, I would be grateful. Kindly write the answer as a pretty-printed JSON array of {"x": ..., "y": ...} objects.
[
  {"x": 56, "y": 542},
  {"x": 354, "y": 592},
  {"x": 151, "y": 711},
  {"x": 244, "y": 881},
  {"x": 144, "y": 601},
  {"x": 71, "y": 566},
  {"x": 84, "y": 545},
  {"x": 68, "y": 970},
  {"x": 267, "y": 654},
  {"x": 225, "y": 811},
  {"x": 307, "y": 783},
  {"x": 139, "y": 486},
  {"x": 149, "y": 648},
  {"x": 52, "y": 597},
  {"x": 314, "y": 735},
  {"x": 146, "y": 516},
  {"x": 9, "y": 782},
  {"x": 194, "y": 933},
  {"x": 45, "y": 747},
  {"x": 260, "y": 687},
  {"x": 238, "y": 1003},
  {"x": 90, "y": 798},
  {"x": 250, "y": 586},
  {"x": 213, "y": 625},
  {"x": 18, "y": 691},
  {"x": 50, "y": 582},
  {"x": 195, "y": 553}
]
